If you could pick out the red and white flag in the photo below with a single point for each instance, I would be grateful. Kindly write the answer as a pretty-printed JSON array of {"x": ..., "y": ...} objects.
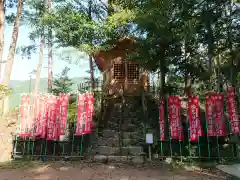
[
  {"x": 161, "y": 119},
  {"x": 64, "y": 98},
  {"x": 194, "y": 118},
  {"x": 232, "y": 110},
  {"x": 174, "y": 105},
  {"x": 80, "y": 124},
  {"x": 89, "y": 113},
  {"x": 52, "y": 118},
  {"x": 24, "y": 116},
  {"x": 220, "y": 118},
  {"x": 210, "y": 107}
]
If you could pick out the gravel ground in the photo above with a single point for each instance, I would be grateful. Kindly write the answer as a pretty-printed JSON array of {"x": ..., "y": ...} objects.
[{"x": 74, "y": 171}]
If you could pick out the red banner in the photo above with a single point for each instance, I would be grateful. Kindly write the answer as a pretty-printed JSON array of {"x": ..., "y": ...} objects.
[
  {"x": 31, "y": 122},
  {"x": 41, "y": 117},
  {"x": 24, "y": 115},
  {"x": 232, "y": 110},
  {"x": 44, "y": 117},
  {"x": 52, "y": 118},
  {"x": 89, "y": 113},
  {"x": 210, "y": 106},
  {"x": 174, "y": 105},
  {"x": 63, "y": 113},
  {"x": 80, "y": 115},
  {"x": 194, "y": 118},
  {"x": 161, "y": 119},
  {"x": 35, "y": 118},
  {"x": 220, "y": 119}
]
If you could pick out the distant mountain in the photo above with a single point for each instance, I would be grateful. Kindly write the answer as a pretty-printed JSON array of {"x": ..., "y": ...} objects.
[{"x": 19, "y": 87}]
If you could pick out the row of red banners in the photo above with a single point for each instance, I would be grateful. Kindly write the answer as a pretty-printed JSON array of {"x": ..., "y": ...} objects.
[
  {"x": 47, "y": 117},
  {"x": 215, "y": 118}
]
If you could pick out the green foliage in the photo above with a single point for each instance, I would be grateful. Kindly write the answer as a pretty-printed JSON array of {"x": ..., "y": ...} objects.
[
  {"x": 4, "y": 91},
  {"x": 62, "y": 83},
  {"x": 175, "y": 38},
  {"x": 84, "y": 32},
  {"x": 72, "y": 112}
]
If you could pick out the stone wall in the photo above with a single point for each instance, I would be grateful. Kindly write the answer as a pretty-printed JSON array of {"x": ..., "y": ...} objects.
[{"x": 123, "y": 130}]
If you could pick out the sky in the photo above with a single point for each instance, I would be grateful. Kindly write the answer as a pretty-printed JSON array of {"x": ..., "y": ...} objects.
[{"x": 23, "y": 65}]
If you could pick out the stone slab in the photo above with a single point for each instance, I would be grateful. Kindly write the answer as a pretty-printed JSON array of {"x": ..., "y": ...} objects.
[
  {"x": 119, "y": 159},
  {"x": 138, "y": 160},
  {"x": 106, "y": 150},
  {"x": 233, "y": 170},
  {"x": 100, "y": 158},
  {"x": 108, "y": 133},
  {"x": 132, "y": 150}
]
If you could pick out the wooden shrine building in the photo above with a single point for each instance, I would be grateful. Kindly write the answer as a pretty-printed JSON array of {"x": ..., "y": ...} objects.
[{"x": 120, "y": 75}]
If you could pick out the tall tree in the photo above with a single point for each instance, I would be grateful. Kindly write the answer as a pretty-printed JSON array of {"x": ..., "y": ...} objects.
[
  {"x": 39, "y": 66},
  {"x": 180, "y": 40},
  {"x": 2, "y": 21},
  {"x": 50, "y": 55},
  {"x": 90, "y": 4},
  {"x": 34, "y": 10},
  {"x": 12, "y": 49}
]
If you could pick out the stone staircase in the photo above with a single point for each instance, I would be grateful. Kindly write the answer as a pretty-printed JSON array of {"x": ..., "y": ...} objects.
[{"x": 121, "y": 137}]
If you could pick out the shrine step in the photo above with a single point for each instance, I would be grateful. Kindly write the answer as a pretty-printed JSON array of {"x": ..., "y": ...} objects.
[
  {"x": 127, "y": 127},
  {"x": 115, "y": 142},
  {"x": 119, "y": 159},
  {"x": 125, "y": 151},
  {"x": 108, "y": 133},
  {"x": 111, "y": 142}
]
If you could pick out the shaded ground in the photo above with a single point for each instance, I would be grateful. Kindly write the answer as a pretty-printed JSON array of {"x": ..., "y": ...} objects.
[{"x": 86, "y": 171}]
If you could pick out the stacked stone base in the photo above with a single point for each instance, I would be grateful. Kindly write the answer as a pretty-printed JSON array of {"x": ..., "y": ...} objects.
[{"x": 120, "y": 140}]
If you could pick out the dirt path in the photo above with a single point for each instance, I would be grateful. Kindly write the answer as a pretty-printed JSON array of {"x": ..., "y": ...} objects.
[{"x": 102, "y": 172}]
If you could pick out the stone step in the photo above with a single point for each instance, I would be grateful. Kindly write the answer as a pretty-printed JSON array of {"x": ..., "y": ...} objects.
[
  {"x": 106, "y": 150},
  {"x": 131, "y": 142},
  {"x": 127, "y": 127},
  {"x": 120, "y": 159},
  {"x": 111, "y": 142},
  {"x": 108, "y": 133},
  {"x": 114, "y": 127},
  {"x": 130, "y": 150},
  {"x": 131, "y": 135}
]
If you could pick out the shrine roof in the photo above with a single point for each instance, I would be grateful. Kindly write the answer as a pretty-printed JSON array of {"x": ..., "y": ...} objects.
[{"x": 123, "y": 45}]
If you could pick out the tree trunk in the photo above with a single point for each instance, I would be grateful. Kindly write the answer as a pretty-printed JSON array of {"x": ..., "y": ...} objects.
[
  {"x": 50, "y": 56},
  {"x": 2, "y": 20},
  {"x": 92, "y": 72},
  {"x": 230, "y": 45},
  {"x": 210, "y": 44},
  {"x": 90, "y": 57},
  {"x": 187, "y": 78},
  {"x": 188, "y": 85},
  {"x": 11, "y": 53},
  {"x": 39, "y": 66},
  {"x": 162, "y": 79}
]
